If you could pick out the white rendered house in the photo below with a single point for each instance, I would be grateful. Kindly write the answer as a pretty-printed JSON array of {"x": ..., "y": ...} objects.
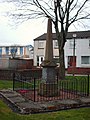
[{"x": 77, "y": 46}]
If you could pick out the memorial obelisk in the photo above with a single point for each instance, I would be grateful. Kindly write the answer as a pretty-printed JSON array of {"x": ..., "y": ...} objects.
[{"x": 48, "y": 84}]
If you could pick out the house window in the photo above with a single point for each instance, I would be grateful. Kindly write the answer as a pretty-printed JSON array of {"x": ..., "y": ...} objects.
[
  {"x": 13, "y": 51},
  {"x": 89, "y": 43},
  {"x": 7, "y": 50},
  {"x": 0, "y": 51},
  {"x": 40, "y": 44},
  {"x": 71, "y": 44},
  {"x": 85, "y": 59},
  {"x": 21, "y": 50},
  {"x": 39, "y": 60},
  {"x": 55, "y": 44}
]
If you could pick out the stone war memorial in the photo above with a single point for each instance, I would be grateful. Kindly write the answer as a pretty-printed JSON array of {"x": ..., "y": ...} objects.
[
  {"x": 48, "y": 86},
  {"x": 42, "y": 91}
]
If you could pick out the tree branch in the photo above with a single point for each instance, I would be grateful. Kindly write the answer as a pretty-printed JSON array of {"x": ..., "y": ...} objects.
[{"x": 73, "y": 19}]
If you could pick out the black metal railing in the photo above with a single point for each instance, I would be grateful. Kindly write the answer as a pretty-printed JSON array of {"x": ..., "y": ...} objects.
[{"x": 35, "y": 89}]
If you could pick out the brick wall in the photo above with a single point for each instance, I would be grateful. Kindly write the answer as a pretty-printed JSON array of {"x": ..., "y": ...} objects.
[
  {"x": 6, "y": 74},
  {"x": 4, "y": 63},
  {"x": 16, "y": 63},
  {"x": 20, "y": 64},
  {"x": 78, "y": 70}
]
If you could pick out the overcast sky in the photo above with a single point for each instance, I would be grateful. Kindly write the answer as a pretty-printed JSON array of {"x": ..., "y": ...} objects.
[
  {"x": 22, "y": 34},
  {"x": 25, "y": 32}
]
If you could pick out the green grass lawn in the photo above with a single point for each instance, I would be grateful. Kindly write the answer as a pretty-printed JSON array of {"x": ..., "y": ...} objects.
[
  {"x": 5, "y": 84},
  {"x": 7, "y": 114}
]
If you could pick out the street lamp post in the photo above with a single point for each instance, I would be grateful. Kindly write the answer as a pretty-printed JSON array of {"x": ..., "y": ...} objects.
[{"x": 74, "y": 36}]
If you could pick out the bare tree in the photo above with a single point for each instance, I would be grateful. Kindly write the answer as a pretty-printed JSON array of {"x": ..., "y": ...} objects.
[{"x": 63, "y": 13}]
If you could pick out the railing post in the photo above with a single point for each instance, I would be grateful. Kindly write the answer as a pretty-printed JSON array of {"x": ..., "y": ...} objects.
[
  {"x": 57, "y": 78},
  {"x": 34, "y": 90},
  {"x": 88, "y": 86},
  {"x": 13, "y": 81}
]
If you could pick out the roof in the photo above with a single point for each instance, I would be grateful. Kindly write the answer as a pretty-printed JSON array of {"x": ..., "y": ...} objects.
[{"x": 79, "y": 34}]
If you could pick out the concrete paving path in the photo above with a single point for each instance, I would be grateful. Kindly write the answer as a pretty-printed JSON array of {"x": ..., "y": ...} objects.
[{"x": 19, "y": 104}]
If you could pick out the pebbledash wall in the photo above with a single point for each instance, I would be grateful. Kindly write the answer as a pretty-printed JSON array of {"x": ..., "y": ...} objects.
[
  {"x": 10, "y": 66},
  {"x": 16, "y": 63},
  {"x": 4, "y": 63},
  {"x": 82, "y": 50}
]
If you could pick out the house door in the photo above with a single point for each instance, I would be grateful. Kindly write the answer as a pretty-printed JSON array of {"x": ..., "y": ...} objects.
[
  {"x": 39, "y": 60},
  {"x": 71, "y": 61}
]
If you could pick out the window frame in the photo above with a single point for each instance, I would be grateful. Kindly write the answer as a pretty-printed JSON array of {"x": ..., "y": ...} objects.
[
  {"x": 21, "y": 50},
  {"x": 89, "y": 43},
  {"x": 0, "y": 52},
  {"x": 7, "y": 50},
  {"x": 41, "y": 44},
  {"x": 84, "y": 62},
  {"x": 55, "y": 44}
]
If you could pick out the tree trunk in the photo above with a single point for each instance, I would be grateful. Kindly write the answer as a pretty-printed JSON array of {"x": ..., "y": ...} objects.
[
  {"x": 61, "y": 43},
  {"x": 62, "y": 65}
]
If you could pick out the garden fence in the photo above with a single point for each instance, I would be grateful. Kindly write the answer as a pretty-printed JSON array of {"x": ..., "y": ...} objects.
[{"x": 33, "y": 88}]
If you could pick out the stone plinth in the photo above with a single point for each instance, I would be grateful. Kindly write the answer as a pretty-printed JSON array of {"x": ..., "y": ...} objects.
[
  {"x": 49, "y": 86},
  {"x": 48, "y": 74},
  {"x": 48, "y": 89}
]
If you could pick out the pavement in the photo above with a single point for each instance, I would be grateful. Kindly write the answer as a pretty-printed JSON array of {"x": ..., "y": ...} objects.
[{"x": 23, "y": 106}]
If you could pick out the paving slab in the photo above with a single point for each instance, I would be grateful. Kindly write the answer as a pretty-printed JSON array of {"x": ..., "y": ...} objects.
[
  {"x": 67, "y": 102},
  {"x": 17, "y": 99},
  {"x": 7, "y": 91},
  {"x": 28, "y": 106},
  {"x": 85, "y": 99},
  {"x": 46, "y": 105},
  {"x": 10, "y": 95}
]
